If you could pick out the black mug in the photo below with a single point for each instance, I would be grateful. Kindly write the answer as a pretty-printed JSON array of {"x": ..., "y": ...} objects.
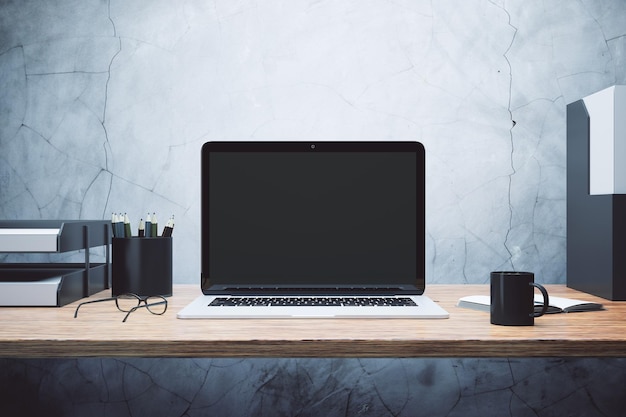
[{"x": 513, "y": 298}]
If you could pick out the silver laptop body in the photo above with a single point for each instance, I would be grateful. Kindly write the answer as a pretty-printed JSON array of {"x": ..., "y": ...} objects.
[{"x": 313, "y": 230}]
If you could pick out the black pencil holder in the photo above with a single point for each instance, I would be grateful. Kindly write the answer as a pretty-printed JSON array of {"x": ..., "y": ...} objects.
[{"x": 142, "y": 266}]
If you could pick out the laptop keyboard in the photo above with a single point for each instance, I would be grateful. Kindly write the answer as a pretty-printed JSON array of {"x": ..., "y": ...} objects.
[{"x": 315, "y": 301}]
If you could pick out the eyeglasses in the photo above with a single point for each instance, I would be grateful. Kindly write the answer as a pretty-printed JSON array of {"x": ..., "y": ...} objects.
[{"x": 127, "y": 303}]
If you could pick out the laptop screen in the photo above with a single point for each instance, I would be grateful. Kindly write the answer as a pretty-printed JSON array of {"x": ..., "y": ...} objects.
[{"x": 304, "y": 215}]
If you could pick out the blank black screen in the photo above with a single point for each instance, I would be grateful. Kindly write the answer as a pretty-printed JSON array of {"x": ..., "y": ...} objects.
[{"x": 311, "y": 218}]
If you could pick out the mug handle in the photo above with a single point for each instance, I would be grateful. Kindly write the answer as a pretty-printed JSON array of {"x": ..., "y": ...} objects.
[{"x": 546, "y": 299}]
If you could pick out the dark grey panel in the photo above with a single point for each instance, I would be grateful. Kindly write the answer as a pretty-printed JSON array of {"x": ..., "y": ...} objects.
[{"x": 596, "y": 230}]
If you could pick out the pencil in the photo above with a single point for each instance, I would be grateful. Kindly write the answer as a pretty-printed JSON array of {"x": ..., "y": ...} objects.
[
  {"x": 154, "y": 226},
  {"x": 148, "y": 226},
  {"x": 141, "y": 231},
  {"x": 127, "y": 231},
  {"x": 169, "y": 227}
]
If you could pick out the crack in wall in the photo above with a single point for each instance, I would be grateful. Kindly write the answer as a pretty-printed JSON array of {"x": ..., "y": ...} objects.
[
  {"x": 27, "y": 77},
  {"x": 606, "y": 41},
  {"x": 106, "y": 146},
  {"x": 25, "y": 81},
  {"x": 507, "y": 242}
]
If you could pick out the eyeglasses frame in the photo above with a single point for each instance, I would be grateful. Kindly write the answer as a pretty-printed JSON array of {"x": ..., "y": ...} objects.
[{"x": 139, "y": 305}]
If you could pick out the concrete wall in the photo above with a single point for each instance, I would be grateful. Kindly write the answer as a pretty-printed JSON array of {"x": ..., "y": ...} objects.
[{"x": 105, "y": 105}]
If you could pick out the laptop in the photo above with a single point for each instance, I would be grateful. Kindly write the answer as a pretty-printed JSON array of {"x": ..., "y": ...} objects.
[{"x": 312, "y": 230}]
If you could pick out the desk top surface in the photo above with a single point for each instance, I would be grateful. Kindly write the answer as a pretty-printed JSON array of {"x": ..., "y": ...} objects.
[{"x": 99, "y": 331}]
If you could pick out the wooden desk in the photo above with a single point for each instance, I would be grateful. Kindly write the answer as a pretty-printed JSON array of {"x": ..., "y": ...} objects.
[{"x": 99, "y": 331}]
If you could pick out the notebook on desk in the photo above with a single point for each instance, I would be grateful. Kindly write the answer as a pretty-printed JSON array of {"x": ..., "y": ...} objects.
[{"x": 325, "y": 229}]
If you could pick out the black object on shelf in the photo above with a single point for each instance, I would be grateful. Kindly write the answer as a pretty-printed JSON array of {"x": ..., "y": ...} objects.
[{"x": 53, "y": 284}]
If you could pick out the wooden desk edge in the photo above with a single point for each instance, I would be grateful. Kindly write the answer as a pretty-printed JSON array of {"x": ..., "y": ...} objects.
[{"x": 313, "y": 348}]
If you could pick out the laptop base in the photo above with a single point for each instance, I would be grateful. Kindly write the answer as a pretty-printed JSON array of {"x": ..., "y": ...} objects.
[{"x": 425, "y": 308}]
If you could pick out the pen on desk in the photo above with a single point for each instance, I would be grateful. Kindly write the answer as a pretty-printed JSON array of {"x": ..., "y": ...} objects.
[
  {"x": 148, "y": 225},
  {"x": 127, "y": 231},
  {"x": 141, "y": 231},
  {"x": 154, "y": 226}
]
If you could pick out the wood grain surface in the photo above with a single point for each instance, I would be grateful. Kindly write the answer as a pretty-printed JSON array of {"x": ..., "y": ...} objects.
[{"x": 99, "y": 331}]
